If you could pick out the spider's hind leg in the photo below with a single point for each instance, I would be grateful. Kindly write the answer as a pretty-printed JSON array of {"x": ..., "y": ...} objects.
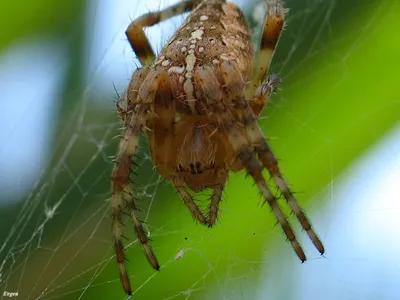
[{"x": 135, "y": 33}]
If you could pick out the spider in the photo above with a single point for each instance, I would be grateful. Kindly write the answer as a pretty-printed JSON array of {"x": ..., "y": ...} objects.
[{"x": 198, "y": 102}]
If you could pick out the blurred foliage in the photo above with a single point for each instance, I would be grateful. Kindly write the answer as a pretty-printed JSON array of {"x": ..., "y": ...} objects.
[
  {"x": 334, "y": 104},
  {"x": 30, "y": 18}
]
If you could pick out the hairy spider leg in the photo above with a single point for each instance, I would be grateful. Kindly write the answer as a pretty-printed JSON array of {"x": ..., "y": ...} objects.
[
  {"x": 134, "y": 120},
  {"x": 147, "y": 86},
  {"x": 135, "y": 33},
  {"x": 244, "y": 114},
  {"x": 269, "y": 161},
  {"x": 259, "y": 90},
  {"x": 220, "y": 112},
  {"x": 121, "y": 190}
]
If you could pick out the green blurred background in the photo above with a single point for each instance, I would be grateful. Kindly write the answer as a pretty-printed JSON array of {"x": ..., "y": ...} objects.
[{"x": 334, "y": 125}]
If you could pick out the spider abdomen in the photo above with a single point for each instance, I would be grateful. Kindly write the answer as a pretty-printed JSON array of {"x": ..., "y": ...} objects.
[{"x": 214, "y": 33}]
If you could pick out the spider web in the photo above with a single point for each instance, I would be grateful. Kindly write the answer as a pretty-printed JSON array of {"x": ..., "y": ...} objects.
[{"x": 340, "y": 155}]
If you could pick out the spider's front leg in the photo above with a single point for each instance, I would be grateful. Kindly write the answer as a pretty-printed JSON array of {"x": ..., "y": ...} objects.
[
  {"x": 219, "y": 107},
  {"x": 245, "y": 115},
  {"x": 259, "y": 89},
  {"x": 267, "y": 157},
  {"x": 147, "y": 86},
  {"x": 230, "y": 111},
  {"x": 122, "y": 191}
]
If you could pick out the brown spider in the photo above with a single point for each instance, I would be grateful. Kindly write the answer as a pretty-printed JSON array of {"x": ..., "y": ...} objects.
[{"x": 200, "y": 115}]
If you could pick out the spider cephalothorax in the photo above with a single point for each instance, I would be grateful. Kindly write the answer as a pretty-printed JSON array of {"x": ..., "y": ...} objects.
[{"x": 198, "y": 102}]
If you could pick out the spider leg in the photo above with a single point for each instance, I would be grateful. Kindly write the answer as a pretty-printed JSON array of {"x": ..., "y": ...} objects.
[
  {"x": 219, "y": 111},
  {"x": 274, "y": 24},
  {"x": 254, "y": 169},
  {"x": 214, "y": 204},
  {"x": 268, "y": 159},
  {"x": 189, "y": 202},
  {"x": 255, "y": 137},
  {"x": 135, "y": 33},
  {"x": 121, "y": 190},
  {"x": 244, "y": 114},
  {"x": 146, "y": 86}
]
